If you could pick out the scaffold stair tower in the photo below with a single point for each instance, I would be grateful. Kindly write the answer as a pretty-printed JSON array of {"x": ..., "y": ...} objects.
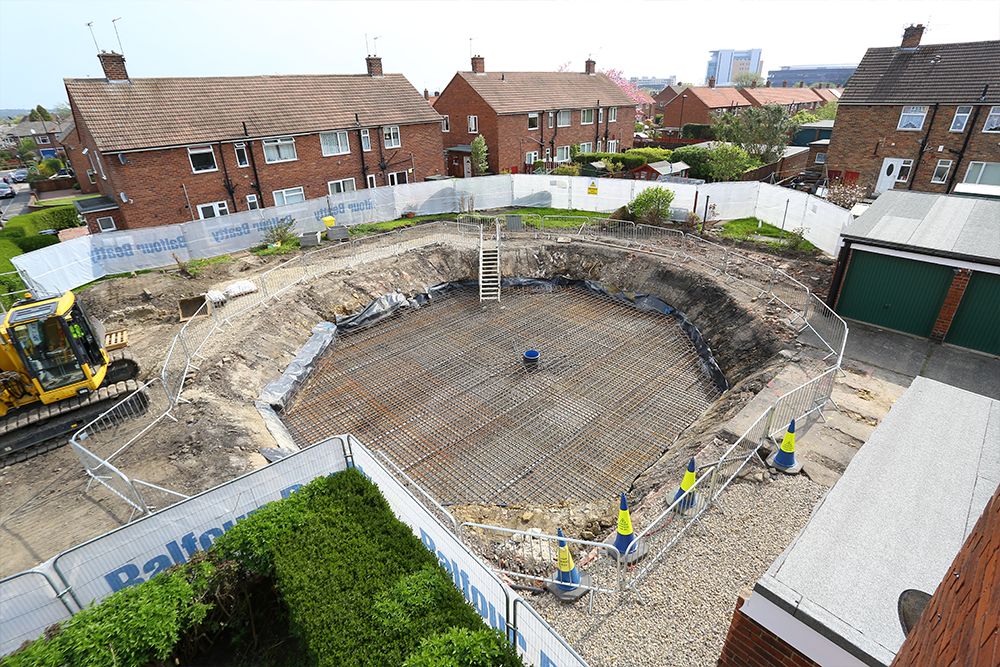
[{"x": 489, "y": 263}]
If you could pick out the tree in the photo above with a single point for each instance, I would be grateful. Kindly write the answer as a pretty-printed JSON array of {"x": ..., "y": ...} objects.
[
  {"x": 747, "y": 79},
  {"x": 480, "y": 155},
  {"x": 62, "y": 110},
  {"x": 695, "y": 157},
  {"x": 43, "y": 113},
  {"x": 26, "y": 150},
  {"x": 802, "y": 117},
  {"x": 633, "y": 91},
  {"x": 50, "y": 166},
  {"x": 727, "y": 163},
  {"x": 763, "y": 132},
  {"x": 828, "y": 111},
  {"x": 32, "y": 116},
  {"x": 845, "y": 195},
  {"x": 652, "y": 205}
]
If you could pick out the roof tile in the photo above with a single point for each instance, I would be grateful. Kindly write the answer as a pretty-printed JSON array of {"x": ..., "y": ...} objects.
[{"x": 522, "y": 92}]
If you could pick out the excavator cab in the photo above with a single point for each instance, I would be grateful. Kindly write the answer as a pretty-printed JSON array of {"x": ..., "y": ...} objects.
[{"x": 53, "y": 346}]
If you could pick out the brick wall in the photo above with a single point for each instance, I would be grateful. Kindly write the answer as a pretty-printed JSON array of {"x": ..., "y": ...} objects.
[
  {"x": 947, "y": 314},
  {"x": 750, "y": 644},
  {"x": 695, "y": 111},
  {"x": 865, "y": 135},
  {"x": 155, "y": 181},
  {"x": 458, "y": 101}
]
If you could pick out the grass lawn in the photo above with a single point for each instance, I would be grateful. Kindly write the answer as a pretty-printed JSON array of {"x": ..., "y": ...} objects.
[
  {"x": 64, "y": 202},
  {"x": 746, "y": 228}
]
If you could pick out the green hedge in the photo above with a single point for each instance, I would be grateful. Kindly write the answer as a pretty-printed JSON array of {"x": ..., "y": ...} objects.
[
  {"x": 652, "y": 154},
  {"x": 695, "y": 157},
  {"x": 29, "y": 243},
  {"x": 697, "y": 131},
  {"x": 628, "y": 160}
]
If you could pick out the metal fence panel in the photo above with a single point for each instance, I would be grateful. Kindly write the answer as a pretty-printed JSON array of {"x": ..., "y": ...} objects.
[
  {"x": 108, "y": 476},
  {"x": 138, "y": 550},
  {"x": 828, "y": 326},
  {"x": 659, "y": 239},
  {"x": 117, "y": 428},
  {"x": 705, "y": 252},
  {"x": 749, "y": 272},
  {"x": 802, "y": 401},
  {"x": 29, "y": 603},
  {"x": 790, "y": 293}
]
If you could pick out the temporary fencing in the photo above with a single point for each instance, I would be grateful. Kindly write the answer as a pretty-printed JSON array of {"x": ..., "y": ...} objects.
[
  {"x": 828, "y": 326},
  {"x": 29, "y": 603}
]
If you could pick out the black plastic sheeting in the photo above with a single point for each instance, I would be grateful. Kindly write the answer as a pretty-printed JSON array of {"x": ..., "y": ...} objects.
[{"x": 276, "y": 392}]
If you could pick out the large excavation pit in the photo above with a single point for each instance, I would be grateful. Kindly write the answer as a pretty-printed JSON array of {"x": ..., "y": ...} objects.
[{"x": 446, "y": 392}]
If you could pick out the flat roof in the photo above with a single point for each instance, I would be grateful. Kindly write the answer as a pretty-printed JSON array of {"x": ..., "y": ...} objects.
[
  {"x": 895, "y": 520},
  {"x": 961, "y": 227}
]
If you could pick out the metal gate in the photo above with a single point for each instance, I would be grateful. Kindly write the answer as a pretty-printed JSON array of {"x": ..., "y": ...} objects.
[
  {"x": 976, "y": 324},
  {"x": 893, "y": 292}
]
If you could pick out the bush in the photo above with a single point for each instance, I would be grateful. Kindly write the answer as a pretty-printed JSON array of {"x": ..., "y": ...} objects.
[
  {"x": 567, "y": 169},
  {"x": 652, "y": 154},
  {"x": 695, "y": 157},
  {"x": 845, "y": 195},
  {"x": 697, "y": 131},
  {"x": 29, "y": 243},
  {"x": 652, "y": 205},
  {"x": 458, "y": 647},
  {"x": 628, "y": 161}
]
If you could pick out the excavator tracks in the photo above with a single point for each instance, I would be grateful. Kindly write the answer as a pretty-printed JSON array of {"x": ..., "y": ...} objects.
[{"x": 38, "y": 428}]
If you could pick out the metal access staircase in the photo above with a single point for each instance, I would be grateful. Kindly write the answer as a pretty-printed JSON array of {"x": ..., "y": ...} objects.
[{"x": 489, "y": 263}]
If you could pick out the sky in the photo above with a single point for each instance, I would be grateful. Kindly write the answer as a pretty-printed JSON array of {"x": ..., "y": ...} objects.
[{"x": 45, "y": 41}]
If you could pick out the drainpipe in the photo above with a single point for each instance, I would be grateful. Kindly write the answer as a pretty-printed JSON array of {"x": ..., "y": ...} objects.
[
  {"x": 364, "y": 165},
  {"x": 961, "y": 153},
  {"x": 227, "y": 182},
  {"x": 923, "y": 147},
  {"x": 381, "y": 157},
  {"x": 253, "y": 164},
  {"x": 597, "y": 126},
  {"x": 555, "y": 133}
]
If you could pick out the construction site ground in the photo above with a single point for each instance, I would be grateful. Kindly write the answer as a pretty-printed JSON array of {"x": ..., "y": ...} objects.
[{"x": 45, "y": 507}]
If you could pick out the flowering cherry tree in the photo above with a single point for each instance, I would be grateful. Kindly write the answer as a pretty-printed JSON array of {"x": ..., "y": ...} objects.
[{"x": 629, "y": 88}]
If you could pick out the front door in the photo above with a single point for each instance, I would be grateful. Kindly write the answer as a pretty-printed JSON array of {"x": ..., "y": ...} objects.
[
  {"x": 467, "y": 166},
  {"x": 890, "y": 172}
]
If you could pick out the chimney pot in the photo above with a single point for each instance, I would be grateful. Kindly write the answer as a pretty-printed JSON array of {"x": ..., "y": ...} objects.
[
  {"x": 114, "y": 65},
  {"x": 711, "y": 82},
  {"x": 478, "y": 65},
  {"x": 911, "y": 36},
  {"x": 374, "y": 66},
  {"x": 784, "y": 83},
  {"x": 589, "y": 66}
]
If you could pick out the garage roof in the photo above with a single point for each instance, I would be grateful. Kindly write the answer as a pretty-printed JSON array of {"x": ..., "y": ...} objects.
[{"x": 948, "y": 225}]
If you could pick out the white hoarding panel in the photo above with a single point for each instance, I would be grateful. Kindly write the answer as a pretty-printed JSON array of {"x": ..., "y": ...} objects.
[
  {"x": 28, "y": 605},
  {"x": 59, "y": 268}
]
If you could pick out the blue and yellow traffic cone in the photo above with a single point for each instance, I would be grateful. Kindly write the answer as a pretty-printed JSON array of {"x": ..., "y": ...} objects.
[
  {"x": 626, "y": 545},
  {"x": 689, "y": 478},
  {"x": 569, "y": 585},
  {"x": 784, "y": 458}
]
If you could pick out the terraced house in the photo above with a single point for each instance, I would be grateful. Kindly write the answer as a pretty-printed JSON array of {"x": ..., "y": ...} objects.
[
  {"x": 921, "y": 117},
  {"x": 169, "y": 150},
  {"x": 529, "y": 116}
]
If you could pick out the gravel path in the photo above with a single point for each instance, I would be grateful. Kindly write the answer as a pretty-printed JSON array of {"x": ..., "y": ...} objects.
[{"x": 691, "y": 594}]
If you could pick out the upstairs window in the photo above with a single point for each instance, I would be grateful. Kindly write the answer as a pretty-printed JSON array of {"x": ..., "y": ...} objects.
[
  {"x": 912, "y": 118},
  {"x": 587, "y": 117},
  {"x": 335, "y": 143},
  {"x": 202, "y": 159},
  {"x": 993, "y": 120},
  {"x": 961, "y": 119},
  {"x": 279, "y": 150},
  {"x": 563, "y": 119},
  {"x": 366, "y": 140},
  {"x": 445, "y": 124},
  {"x": 532, "y": 121},
  {"x": 613, "y": 114},
  {"x": 473, "y": 124},
  {"x": 600, "y": 113},
  {"x": 42, "y": 139},
  {"x": 390, "y": 136},
  {"x": 241, "y": 155}
]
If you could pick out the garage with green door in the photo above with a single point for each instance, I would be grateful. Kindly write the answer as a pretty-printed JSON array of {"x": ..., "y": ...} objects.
[{"x": 924, "y": 264}]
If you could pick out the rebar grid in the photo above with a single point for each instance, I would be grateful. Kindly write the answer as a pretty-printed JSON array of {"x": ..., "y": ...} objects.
[{"x": 445, "y": 393}]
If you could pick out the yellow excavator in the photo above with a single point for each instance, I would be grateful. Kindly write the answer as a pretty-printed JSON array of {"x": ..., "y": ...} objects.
[{"x": 55, "y": 374}]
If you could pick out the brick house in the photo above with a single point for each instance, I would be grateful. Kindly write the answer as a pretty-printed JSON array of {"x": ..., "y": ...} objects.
[
  {"x": 529, "y": 116},
  {"x": 170, "y": 150},
  {"x": 795, "y": 99},
  {"x": 922, "y": 117},
  {"x": 45, "y": 134},
  {"x": 700, "y": 105}
]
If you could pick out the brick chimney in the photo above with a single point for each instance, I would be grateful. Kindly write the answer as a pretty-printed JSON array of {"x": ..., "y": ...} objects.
[
  {"x": 589, "y": 66},
  {"x": 784, "y": 83},
  {"x": 374, "y": 66},
  {"x": 802, "y": 84},
  {"x": 711, "y": 82},
  {"x": 427, "y": 94},
  {"x": 911, "y": 37},
  {"x": 767, "y": 85},
  {"x": 114, "y": 65},
  {"x": 478, "y": 65},
  {"x": 753, "y": 84}
]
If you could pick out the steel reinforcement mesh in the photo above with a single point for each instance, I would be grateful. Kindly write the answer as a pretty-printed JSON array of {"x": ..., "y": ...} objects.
[{"x": 444, "y": 391}]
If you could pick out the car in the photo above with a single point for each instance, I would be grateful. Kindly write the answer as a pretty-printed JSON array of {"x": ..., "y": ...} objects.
[
  {"x": 20, "y": 175},
  {"x": 6, "y": 191}
]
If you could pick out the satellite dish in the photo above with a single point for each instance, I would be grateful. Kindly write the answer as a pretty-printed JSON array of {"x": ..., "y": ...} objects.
[{"x": 123, "y": 196}]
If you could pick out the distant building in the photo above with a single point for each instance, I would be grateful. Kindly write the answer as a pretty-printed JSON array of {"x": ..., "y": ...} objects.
[
  {"x": 810, "y": 74},
  {"x": 724, "y": 64},
  {"x": 659, "y": 83}
]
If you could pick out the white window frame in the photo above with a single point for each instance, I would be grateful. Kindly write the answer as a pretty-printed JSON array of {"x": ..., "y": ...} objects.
[
  {"x": 284, "y": 194},
  {"x": 366, "y": 140},
  {"x": 564, "y": 118},
  {"x": 342, "y": 141},
  {"x": 92, "y": 177},
  {"x": 533, "y": 117},
  {"x": 992, "y": 123},
  {"x": 390, "y": 136},
  {"x": 943, "y": 178},
  {"x": 584, "y": 115},
  {"x": 278, "y": 144},
  {"x": 548, "y": 155},
  {"x": 613, "y": 114},
  {"x": 961, "y": 119},
  {"x": 820, "y": 158},
  {"x": 370, "y": 181},
  {"x": 42, "y": 139},
  {"x": 336, "y": 187},
  {"x": 195, "y": 150},
  {"x": 562, "y": 153},
  {"x": 531, "y": 157},
  {"x": 393, "y": 177},
  {"x": 551, "y": 116},
  {"x": 445, "y": 123},
  {"x": 979, "y": 176},
  {"x": 218, "y": 208},
  {"x": 252, "y": 203},
  {"x": 612, "y": 146},
  {"x": 102, "y": 228},
  {"x": 904, "y": 171},
  {"x": 241, "y": 148},
  {"x": 587, "y": 147},
  {"x": 600, "y": 114},
  {"x": 473, "y": 124},
  {"x": 599, "y": 145},
  {"x": 909, "y": 115}
]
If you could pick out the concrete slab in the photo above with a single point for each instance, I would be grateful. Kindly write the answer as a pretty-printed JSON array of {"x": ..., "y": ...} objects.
[
  {"x": 896, "y": 518},
  {"x": 978, "y": 373},
  {"x": 886, "y": 349}
]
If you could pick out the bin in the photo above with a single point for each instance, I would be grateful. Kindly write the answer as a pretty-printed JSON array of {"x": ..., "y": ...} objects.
[{"x": 329, "y": 221}]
